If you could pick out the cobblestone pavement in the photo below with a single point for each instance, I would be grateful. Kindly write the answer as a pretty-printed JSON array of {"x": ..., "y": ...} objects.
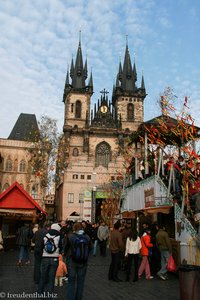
[{"x": 19, "y": 281}]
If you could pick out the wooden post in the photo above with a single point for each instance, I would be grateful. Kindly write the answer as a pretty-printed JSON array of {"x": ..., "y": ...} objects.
[
  {"x": 136, "y": 168},
  {"x": 159, "y": 162},
  {"x": 146, "y": 167},
  {"x": 170, "y": 180}
]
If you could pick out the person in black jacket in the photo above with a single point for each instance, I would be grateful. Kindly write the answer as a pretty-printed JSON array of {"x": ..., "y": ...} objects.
[
  {"x": 38, "y": 250},
  {"x": 24, "y": 235}
]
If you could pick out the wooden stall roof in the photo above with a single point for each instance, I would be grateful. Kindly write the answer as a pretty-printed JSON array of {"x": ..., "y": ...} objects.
[{"x": 16, "y": 198}]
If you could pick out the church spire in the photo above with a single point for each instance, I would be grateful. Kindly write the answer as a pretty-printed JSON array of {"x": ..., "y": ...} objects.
[
  {"x": 134, "y": 72},
  {"x": 90, "y": 84},
  {"x": 67, "y": 86},
  {"x": 72, "y": 69},
  {"x": 127, "y": 80},
  {"x": 142, "y": 83},
  {"x": 80, "y": 73},
  {"x": 85, "y": 69},
  {"x": 120, "y": 71}
]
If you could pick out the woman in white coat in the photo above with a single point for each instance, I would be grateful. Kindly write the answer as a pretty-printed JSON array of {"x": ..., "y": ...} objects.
[{"x": 133, "y": 246}]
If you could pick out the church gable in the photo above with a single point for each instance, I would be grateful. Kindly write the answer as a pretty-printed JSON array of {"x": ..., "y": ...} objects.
[{"x": 104, "y": 114}]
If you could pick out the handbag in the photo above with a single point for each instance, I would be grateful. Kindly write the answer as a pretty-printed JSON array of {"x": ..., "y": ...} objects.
[{"x": 171, "y": 266}]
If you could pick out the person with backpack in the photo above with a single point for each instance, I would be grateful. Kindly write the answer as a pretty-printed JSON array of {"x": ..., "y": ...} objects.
[
  {"x": 52, "y": 248},
  {"x": 77, "y": 248}
]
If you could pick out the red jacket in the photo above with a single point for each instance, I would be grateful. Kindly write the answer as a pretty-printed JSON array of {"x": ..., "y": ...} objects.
[{"x": 146, "y": 244}]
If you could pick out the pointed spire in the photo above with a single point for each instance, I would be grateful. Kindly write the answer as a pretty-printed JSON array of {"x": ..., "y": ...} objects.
[
  {"x": 90, "y": 84},
  {"x": 142, "y": 83},
  {"x": 120, "y": 71},
  {"x": 67, "y": 78},
  {"x": 85, "y": 69},
  {"x": 67, "y": 85},
  {"x": 72, "y": 69},
  {"x": 117, "y": 81},
  {"x": 127, "y": 81},
  {"x": 78, "y": 80},
  {"x": 134, "y": 72},
  {"x": 113, "y": 91},
  {"x": 80, "y": 35}
]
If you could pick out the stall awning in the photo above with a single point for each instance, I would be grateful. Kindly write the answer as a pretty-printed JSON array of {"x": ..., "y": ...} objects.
[
  {"x": 16, "y": 212},
  {"x": 155, "y": 210},
  {"x": 16, "y": 199}
]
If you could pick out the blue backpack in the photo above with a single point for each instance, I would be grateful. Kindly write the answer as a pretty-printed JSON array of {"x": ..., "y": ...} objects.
[
  {"x": 49, "y": 245},
  {"x": 79, "y": 248}
]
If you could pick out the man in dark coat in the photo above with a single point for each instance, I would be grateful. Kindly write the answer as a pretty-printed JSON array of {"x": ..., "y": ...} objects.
[
  {"x": 116, "y": 248},
  {"x": 24, "y": 235},
  {"x": 38, "y": 250},
  {"x": 165, "y": 247}
]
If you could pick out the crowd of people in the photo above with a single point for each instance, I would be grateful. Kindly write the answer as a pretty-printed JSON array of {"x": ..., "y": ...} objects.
[{"x": 61, "y": 252}]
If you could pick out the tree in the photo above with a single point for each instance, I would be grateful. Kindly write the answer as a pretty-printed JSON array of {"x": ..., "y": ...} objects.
[{"x": 43, "y": 153}]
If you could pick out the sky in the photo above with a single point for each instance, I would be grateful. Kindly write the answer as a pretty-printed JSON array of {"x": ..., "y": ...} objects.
[{"x": 38, "y": 39}]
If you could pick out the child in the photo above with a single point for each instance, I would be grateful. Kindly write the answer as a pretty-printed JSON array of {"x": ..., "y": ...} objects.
[{"x": 61, "y": 271}]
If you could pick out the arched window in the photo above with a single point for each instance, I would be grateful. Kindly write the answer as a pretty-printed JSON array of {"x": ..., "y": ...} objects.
[
  {"x": 9, "y": 165},
  {"x": 34, "y": 191},
  {"x": 22, "y": 166},
  {"x": 5, "y": 187},
  {"x": 75, "y": 152},
  {"x": 78, "y": 109},
  {"x": 103, "y": 154},
  {"x": 16, "y": 165},
  {"x": 130, "y": 111}
]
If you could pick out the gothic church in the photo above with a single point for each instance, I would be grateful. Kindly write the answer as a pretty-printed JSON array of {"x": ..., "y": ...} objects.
[{"x": 95, "y": 137}]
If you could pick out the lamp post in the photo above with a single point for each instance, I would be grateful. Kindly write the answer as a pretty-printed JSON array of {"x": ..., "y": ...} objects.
[{"x": 93, "y": 214}]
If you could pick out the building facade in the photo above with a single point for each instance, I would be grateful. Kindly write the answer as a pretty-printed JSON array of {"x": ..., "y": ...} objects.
[
  {"x": 94, "y": 138},
  {"x": 16, "y": 163}
]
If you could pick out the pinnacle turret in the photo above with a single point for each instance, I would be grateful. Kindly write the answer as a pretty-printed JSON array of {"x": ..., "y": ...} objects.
[
  {"x": 142, "y": 83},
  {"x": 78, "y": 74}
]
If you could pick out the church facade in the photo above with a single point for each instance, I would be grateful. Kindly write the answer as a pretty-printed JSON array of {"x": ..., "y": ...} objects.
[{"x": 94, "y": 138}]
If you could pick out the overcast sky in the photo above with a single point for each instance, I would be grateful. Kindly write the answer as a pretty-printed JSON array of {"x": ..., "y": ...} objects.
[{"x": 38, "y": 39}]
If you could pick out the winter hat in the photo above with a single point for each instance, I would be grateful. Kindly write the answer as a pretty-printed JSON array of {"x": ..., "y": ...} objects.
[{"x": 56, "y": 226}]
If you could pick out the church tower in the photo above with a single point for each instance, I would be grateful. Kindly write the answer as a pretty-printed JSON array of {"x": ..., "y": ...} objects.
[
  {"x": 94, "y": 139},
  {"x": 127, "y": 98},
  {"x": 77, "y": 93}
]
